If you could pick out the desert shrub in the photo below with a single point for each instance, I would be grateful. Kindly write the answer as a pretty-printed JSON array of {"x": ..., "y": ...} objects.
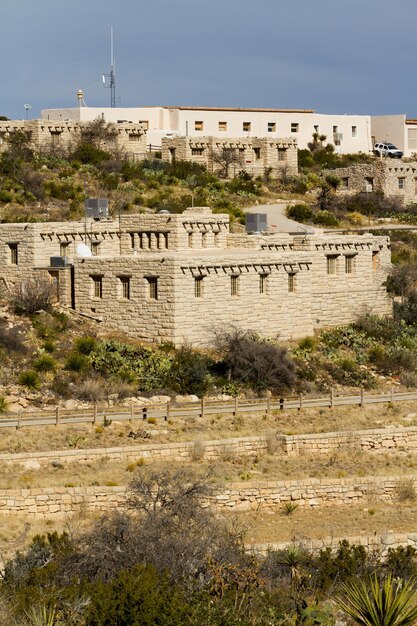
[
  {"x": 197, "y": 450},
  {"x": 31, "y": 295},
  {"x": 87, "y": 153},
  {"x": 62, "y": 387},
  {"x": 379, "y": 328},
  {"x": 334, "y": 567},
  {"x": 3, "y": 404},
  {"x": 91, "y": 389},
  {"x": 405, "y": 490},
  {"x": 300, "y": 212},
  {"x": 77, "y": 362},
  {"x": 325, "y": 218},
  {"x": 407, "y": 310},
  {"x": 30, "y": 379},
  {"x": 262, "y": 365},
  {"x": 307, "y": 343},
  {"x": 49, "y": 346},
  {"x": 44, "y": 363},
  {"x": 49, "y": 325},
  {"x": 189, "y": 372},
  {"x": 396, "y": 359},
  {"x": 85, "y": 345},
  {"x": 408, "y": 379},
  {"x": 401, "y": 562}
]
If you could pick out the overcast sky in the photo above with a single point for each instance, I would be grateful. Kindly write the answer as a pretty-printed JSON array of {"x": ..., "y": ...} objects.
[{"x": 334, "y": 56}]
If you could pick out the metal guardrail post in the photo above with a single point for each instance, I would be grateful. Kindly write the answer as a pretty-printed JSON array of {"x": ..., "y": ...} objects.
[{"x": 57, "y": 416}]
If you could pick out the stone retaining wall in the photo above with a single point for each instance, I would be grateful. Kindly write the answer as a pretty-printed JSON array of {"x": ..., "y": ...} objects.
[
  {"x": 311, "y": 492},
  {"x": 376, "y": 440}
]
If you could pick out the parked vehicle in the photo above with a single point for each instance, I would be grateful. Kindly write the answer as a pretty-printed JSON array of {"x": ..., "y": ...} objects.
[{"x": 387, "y": 150}]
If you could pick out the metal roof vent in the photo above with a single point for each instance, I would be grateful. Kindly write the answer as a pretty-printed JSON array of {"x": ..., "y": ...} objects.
[
  {"x": 97, "y": 208},
  {"x": 256, "y": 222}
]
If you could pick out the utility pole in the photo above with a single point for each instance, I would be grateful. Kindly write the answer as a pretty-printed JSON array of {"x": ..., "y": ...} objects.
[{"x": 112, "y": 75}]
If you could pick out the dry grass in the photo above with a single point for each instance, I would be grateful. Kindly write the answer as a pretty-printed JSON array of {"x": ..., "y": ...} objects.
[{"x": 215, "y": 427}]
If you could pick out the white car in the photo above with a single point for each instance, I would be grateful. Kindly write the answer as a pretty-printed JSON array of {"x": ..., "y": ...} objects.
[{"x": 387, "y": 150}]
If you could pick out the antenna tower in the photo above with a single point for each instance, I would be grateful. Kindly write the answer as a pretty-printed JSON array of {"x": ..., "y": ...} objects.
[{"x": 112, "y": 75}]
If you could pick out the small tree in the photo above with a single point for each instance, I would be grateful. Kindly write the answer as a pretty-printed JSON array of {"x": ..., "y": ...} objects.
[
  {"x": 225, "y": 158},
  {"x": 31, "y": 295}
]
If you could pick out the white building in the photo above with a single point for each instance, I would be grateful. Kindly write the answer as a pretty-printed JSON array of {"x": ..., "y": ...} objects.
[
  {"x": 349, "y": 133},
  {"x": 396, "y": 129}
]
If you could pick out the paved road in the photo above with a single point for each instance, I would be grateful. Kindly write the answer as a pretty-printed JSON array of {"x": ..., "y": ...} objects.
[{"x": 276, "y": 218}]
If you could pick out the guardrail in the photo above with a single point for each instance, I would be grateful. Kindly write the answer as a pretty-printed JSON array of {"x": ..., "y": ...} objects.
[{"x": 192, "y": 410}]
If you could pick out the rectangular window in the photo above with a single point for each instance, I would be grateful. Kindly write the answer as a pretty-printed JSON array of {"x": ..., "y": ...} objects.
[
  {"x": 354, "y": 131},
  {"x": 198, "y": 287},
  {"x": 272, "y": 127},
  {"x": 14, "y": 254},
  {"x": 349, "y": 264},
  {"x": 247, "y": 127},
  {"x": 63, "y": 248},
  {"x": 199, "y": 125},
  {"x": 332, "y": 264},
  {"x": 376, "y": 260},
  {"x": 97, "y": 286},
  {"x": 132, "y": 241},
  {"x": 295, "y": 127},
  {"x": 291, "y": 283},
  {"x": 190, "y": 240},
  {"x": 234, "y": 285},
  {"x": 335, "y": 129},
  {"x": 401, "y": 183},
  {"x": 55, "y": 138},
  {"x": 282, "y": 154},
  {"x": 263, "y": 280},
  {"x": 369, "y": 184},
  {"x": 95, "y": 248},
  {"x": 197, "y": 151},
  {"x": 222, "y": 126},
  {"x": 145, "y": 124},
  {"x": 125, "y": 287},
  {"x": 152, "y": 288},
  {"x": 257, "y": 154}
]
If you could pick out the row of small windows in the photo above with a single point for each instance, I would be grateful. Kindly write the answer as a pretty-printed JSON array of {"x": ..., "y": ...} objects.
[
  {"x": 369, "y": 183},
  {"x": 272, "y": 128},
  {"x": 242, "y": 152},
  {"x": 124, "y": 286},
  {"x": 333, "y": 267}
]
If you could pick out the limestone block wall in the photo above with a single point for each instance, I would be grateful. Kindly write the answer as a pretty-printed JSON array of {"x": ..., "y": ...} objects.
[
  {"x": 394, "y": 177},
  {"x": 312, "y": 492},
  {"x": 253, "y": 154}
]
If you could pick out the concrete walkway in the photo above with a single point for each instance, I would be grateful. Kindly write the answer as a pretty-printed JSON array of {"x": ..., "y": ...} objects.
[{"x": 277, "y": 220}]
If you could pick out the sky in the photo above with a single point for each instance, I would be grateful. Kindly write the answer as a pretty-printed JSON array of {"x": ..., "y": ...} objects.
[{"x": 333, "y": 56}]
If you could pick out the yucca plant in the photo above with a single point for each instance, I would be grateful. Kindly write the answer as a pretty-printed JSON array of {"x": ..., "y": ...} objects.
[{"x": 392, "y": 602}]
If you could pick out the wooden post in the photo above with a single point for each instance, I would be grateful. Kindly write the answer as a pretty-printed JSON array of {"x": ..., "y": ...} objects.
[
  {"x": 362, "y": 402},
  {"x": 203, "y": 405},
  {"x": 57, "y": 416},
  {"x": 95, "y": 413},
  {"x": 131, "y": 412},
  {"x": 167, "y": 417},
  {"x": 331, "y": 397},
  {"x": 268, "y": 405},
  {"x": 281, "y": 404},
  {"x": 392, "y": 393},
  {"x": 301, "y": 403},
  {"x": 19, "y": 418},
  {"x": 236, "y": 406},
  {"x": 145, "y": 413}
]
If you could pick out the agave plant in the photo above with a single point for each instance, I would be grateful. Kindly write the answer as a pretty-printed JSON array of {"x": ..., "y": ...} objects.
[{"x": 372, "y": 603}]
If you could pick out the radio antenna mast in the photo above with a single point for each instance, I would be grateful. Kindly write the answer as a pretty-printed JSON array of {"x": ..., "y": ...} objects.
[{"x": 112, "y": 75}]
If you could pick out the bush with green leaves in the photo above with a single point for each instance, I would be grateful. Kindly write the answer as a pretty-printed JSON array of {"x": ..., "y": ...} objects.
[
  {"x": 76, "y": 362},
  {"x": 300, "y": 212},
  {"x": 30, "y": 379},
  {"x": 44, "y": 363}
]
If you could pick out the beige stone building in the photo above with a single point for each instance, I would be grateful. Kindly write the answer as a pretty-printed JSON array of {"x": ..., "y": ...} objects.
[
  {"x": 228, "y": 157},
  {"x": 394, "y": 177},
  {"x": 126, "y": 138},
  {"x": 177, "y": 277}
]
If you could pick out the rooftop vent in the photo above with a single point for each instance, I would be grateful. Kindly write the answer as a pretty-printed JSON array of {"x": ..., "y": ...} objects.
[
  {"x": 97, "y": 208},
  {"x": 58, "y": 261},
  {"x": 256, "y": 222}
]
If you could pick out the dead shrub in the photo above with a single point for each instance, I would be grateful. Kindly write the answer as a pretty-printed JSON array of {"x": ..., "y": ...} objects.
[
  {"x": 31, "y": 295},
  {"x": 405, "y": 490},
  {"x": 12, "y": 339},
  {"x": 197, "y": 450},
  {"x": 91, "y": 390},
  {"x": 271, "y": 443}
]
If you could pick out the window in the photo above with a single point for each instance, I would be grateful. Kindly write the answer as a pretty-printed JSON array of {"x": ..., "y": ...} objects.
[
  {"x": 222, "y": 126},
  {"x": 197, "y": 151},
  {"x": 63, "y": 248},
  {"x": 134, "y": 137},
  {"x": 291, "y": 283},
  {"x": 145, "y": 124},
  {"x": 125, "y": 287},
  {"x": 401, "y": 183},
  {"x": 14, "y": 254},
  {"x": 349, "y": 264},
  {"x": 247, "y": 127},
  {"x": 199, "y": 125},
  {"x": 95, "y": 248},
  {"x": 369, "y": 184},
  {"x": 376, "y": 260},
  {"x": 257, "y": 154},
  {"x": 55, "y": 138},
  {"x": 234, "y": 285},
  {"x": 190, "y": 240},
  {"x": 263, "y": 280},
  {"x": 335, "y": 129},
  {"x": 354, "y": 131},
  {"x": 198, "y": 287},
  {"x": 295, "y": 127},
  {"x": 282, "y": 154},
  {"x": 132, "y": 241},
  {"x": 172, "y": 154},
  {"x": 272, "y": 127},
  {"x": 152, "y": 288},
  {"x": 97, "y": 286},
  {"x": 332, "y": 264},
  {"x": 345, "y": 182}
]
